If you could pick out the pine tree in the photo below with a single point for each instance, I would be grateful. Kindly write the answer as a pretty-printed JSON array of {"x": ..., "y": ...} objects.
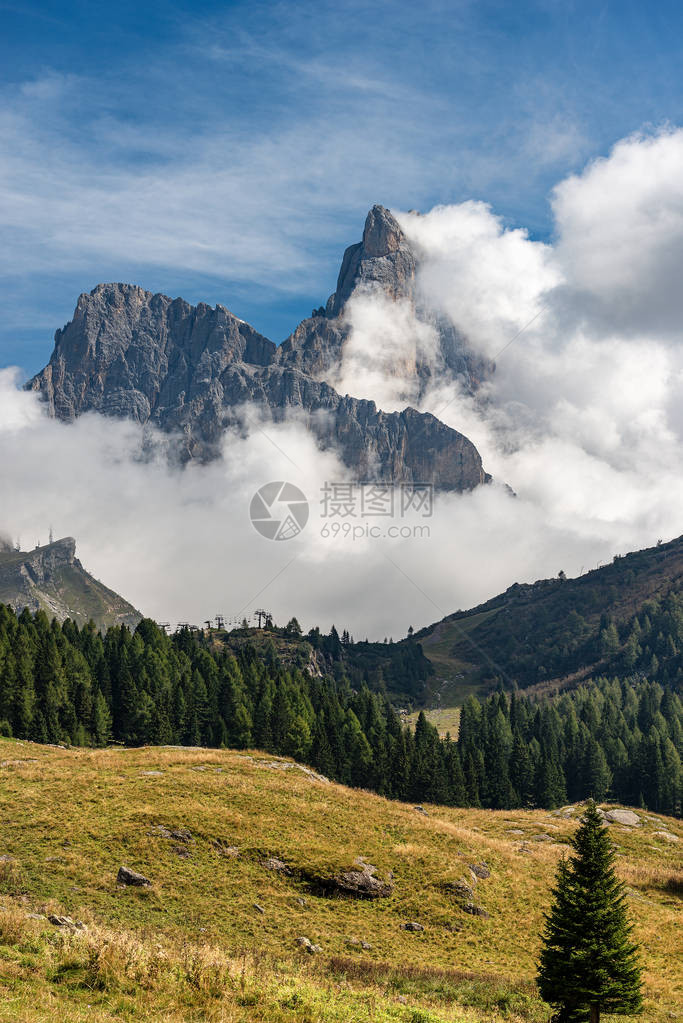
[{"x": 588, "y": 962}]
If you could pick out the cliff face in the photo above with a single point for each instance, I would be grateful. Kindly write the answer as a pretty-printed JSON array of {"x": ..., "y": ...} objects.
[
  {"x": 188, "y": 369},
  {"x": 52, "y": 579}
]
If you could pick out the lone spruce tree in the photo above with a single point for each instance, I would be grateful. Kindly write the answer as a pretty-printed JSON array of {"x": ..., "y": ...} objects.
[{"x": 588, "y": 962}]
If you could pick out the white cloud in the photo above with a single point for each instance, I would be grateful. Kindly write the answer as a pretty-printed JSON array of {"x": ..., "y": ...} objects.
[
  {"x": 620, "y": 235},
  {"x": 382, "y": 352},
  {"x": 582, "y": 418}
]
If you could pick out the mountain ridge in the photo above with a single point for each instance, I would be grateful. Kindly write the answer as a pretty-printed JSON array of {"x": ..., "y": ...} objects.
[
  {"x": 189, "y": 370},
  {"x": 52, "y": 579},
  {"x": 550, "y": 632}
]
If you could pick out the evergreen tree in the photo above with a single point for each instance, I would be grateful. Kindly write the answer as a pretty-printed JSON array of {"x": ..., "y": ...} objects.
[{"x": 588, "y": 962}]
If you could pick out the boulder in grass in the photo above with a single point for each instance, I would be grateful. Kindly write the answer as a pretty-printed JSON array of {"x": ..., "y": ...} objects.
[
  {"x": 65, "y": 921},
  {"x": 307, "y": 945},
  {"x": 412, "y": 925},
  {"x": 627, "y": 817},
  {"x": 129, "y": 877},
  {"x": 362, "y": 883}
]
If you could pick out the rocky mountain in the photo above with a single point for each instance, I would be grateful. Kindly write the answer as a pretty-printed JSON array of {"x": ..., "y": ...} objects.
[
  {"x": 191, "y": 371},
  {"x": 52, "y": 579}
]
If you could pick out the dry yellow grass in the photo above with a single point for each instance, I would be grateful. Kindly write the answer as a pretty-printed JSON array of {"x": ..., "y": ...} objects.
[{"x": 195, "y": 947}]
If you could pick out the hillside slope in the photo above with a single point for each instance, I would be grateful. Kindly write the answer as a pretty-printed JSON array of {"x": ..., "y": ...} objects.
[
  {"x": 215, "y": 936},
  {"x": 550, "y": 631},
  {"x": 52, "y": 579}
]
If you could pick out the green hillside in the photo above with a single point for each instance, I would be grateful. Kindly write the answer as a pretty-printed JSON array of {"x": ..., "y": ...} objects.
[
  {"x": 241, "y": 850},
  {"x": 558, "y": 631}
]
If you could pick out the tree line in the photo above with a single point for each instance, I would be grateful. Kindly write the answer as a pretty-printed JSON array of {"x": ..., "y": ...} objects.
[{"x": 63, "y": 684}]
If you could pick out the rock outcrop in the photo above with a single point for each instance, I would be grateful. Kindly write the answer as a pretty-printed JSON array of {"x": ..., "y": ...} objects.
[
  {"x": 192, "y": 370},
  {"x": 52, "y": 579}
]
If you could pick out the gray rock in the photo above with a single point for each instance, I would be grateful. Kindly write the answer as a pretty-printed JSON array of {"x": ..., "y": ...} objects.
[
  {"x": 126, "y": 876},
  {"x": 460, "y": 889},
  {"x": 307, "y": 945},
  {"x": 190, "y": 370},
  {"x": 259, "y": 909},
  {"x": 627, "y": 817},
  {"x": 177, "y": 834},
  {"x": 66, "y": 922},
  {"x": 412, "y": 925},
  {"x": 542, "y": 838},
  {"x": 475, "y": 910},
  {"x": 480, "y": 870},
  {"x": 668, "y": 836},
  {"x": 515, "y": 831},
  {"x": 277, "y": 866},
  {"x": 421, "y": 809},
  {"x": 35, "y": 580},
  {"x": 362, "y": 883}
]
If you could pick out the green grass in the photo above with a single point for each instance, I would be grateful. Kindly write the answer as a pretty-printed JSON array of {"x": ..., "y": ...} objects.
[
  {"x": 194, "y": 947},
  {"x": 454, "y": 678}
]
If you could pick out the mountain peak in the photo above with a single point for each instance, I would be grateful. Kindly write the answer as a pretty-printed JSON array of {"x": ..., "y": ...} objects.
[
  {"x": 382, "y": 261},
  {"x": 382, "y": 233}
]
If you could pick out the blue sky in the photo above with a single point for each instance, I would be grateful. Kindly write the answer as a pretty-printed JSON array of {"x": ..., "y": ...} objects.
[{"x": 229, "y": 152}]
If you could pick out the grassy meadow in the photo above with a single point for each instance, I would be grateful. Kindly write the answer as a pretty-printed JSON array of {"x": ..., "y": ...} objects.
[{"x": 215, "y": 936}]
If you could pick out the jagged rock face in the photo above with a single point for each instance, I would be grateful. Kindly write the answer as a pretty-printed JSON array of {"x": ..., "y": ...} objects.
[
  {"x": 188, "y": 370},
  {"x": 382, "y": 262},
  {"x": 52, "y": 579}
]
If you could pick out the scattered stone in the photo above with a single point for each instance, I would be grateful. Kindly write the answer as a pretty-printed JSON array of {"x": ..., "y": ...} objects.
[
  {"x": 230, "y": 851},
  {"x": 272, "y": 863},
  {"x": 421, "y": 809},
  {"x": 151, "y": 774},
  {"x": 524, "y": 848},
  {"x": 357, "y": 943},
  {"x": 362, "y": 882},
  {"x": 475, "y": 910},
  {"x": 461, "y": 889},
  {"x": 66, "y": 921},
  {"x": 480, "y": 870},
  {"x": 666, "y": 835},
  {"x": 284, "y": 765},
  {"x": 308, "y": 946},
  {"x": 126, "y": 876},
  {"x": 627, "y": 817},
  {"x": 36, "y": 916},
  {"x": 541, "y": 838},
  {"x": 259, "y": 909},
  {"x": 402, "y": 999},
  {"x": 182, "y": 851},
  {"x": 179, "y": 834},
  {"x": 412, "y": 925},
  {"x": 55, "y": 859},
  {"x": 515, "y": 831},
  {"x": 300, "y": 902}
]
